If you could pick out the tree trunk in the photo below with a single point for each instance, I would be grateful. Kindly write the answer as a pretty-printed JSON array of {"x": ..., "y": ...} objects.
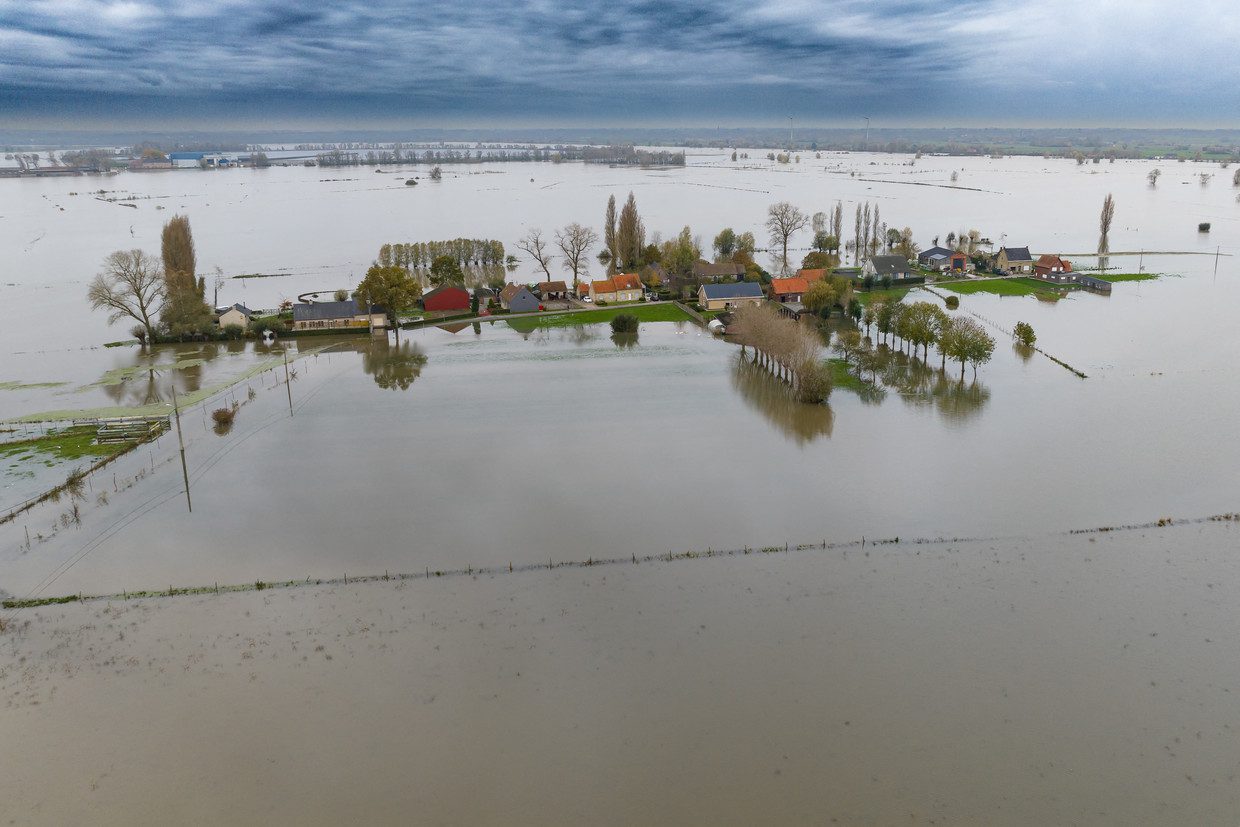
[{"x": 962, "y": 370}]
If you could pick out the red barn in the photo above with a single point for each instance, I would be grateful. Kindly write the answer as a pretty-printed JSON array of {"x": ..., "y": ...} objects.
[{"x": 446, "y": 297}]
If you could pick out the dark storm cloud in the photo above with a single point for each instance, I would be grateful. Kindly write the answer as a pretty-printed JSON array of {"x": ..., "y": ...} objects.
[{"x": 629, "y": 59}]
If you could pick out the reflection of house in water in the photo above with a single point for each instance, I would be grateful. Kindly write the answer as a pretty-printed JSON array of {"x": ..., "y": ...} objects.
[{"x": 798, "y": 421}]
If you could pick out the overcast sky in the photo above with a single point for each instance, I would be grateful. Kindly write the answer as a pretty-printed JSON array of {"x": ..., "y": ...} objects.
[{"x": 620, "y": 62}]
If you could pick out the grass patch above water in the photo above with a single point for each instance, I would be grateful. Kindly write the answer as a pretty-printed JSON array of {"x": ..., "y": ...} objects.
[
  {"x": 897, "y": 293},
  {"x": 1019, "y": 286},
  {"x": 643, "y": 312},
  {"x": 21, "y": 386},
  {"x": 63, "y": 444},
  {"x": 843, "y": 378},
  {"x": 1125, "y": 276}
]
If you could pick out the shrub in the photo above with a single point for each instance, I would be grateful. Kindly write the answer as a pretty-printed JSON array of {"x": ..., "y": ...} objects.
[
  {"x": 1203, "y": 227},
  {"x": 624, "y": 323},
  {"x": 273, "y": 323},
  {"x": 953, "y": 302},
  {"x": 233, "y": 331},
  {"x": 1023, "y": 333},
  {"x": 223, "y": 416},
  {"x": 815, "y": 383}
]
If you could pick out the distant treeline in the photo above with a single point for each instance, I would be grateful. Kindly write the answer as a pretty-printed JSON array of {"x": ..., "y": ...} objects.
[{"x": 397, "y": 154}]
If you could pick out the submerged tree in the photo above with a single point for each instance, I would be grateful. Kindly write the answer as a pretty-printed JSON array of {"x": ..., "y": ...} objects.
[
  {"x": 609, "y": 235},
  {"x": 1154, "y": 174},
  {"x": 1023, "y": 333},
  {"x": 535, "y": 246},
  {"x": 185, "y": 309},
  {"x": 783, "y": 220},
  {"x": 131, "y": 284},
  {"x": 1104, "y": 224}
]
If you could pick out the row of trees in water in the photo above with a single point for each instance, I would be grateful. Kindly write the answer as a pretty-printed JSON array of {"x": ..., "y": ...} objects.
[{"x": 919, "y": 325}]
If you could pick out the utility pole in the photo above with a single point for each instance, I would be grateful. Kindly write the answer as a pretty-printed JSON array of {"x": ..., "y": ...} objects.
[
  {"x": 867, "y": 132},
  {"x": 790, "y": 133},
  {"x": 184, "y": 470},
  {"x": 287, "y": 384}
]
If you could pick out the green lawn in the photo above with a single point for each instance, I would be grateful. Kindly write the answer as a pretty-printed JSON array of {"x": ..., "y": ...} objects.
[
  {"x": 897, "y": 293},
  {"x": 643, "y": 312},
  {"x": 64, "y": 444},
  {"x": 1019, "y": 286},
  {"x": 1126, "y": 276},
  {"x": 842, "y": 377}
]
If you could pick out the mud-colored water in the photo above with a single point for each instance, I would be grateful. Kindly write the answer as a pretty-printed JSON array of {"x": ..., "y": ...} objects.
[{"x": 1035, "y": 679}]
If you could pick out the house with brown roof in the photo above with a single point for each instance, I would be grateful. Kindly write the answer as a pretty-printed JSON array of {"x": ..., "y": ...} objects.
[
  {"x": 552, "y": 290},
  {"x": 812, "y": 274},
  {"x": 789, "y": 290},
  {"x": 1052, "y": 268},
  {"x": 718, "y": 271},
  {"x": 517, "y": 298},
  {"x": 622, "y": 287}
]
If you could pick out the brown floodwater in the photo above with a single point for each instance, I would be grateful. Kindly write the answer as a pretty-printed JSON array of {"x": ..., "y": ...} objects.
[{"x": 1069, "y": 686}]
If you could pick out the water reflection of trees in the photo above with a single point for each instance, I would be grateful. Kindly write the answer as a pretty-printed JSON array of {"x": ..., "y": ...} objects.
[
  {"x": 153, "y": 373},
  {"x": 798, "y": 421},
  {"x": 921, "y": 385},
  {"x": 393, "y": 366}
]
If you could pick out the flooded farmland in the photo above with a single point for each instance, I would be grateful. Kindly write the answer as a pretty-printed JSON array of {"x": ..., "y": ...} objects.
[{"x": 1011, "y": 673}]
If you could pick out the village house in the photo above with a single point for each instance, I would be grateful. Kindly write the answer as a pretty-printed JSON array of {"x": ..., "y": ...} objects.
[
  {"x": 812, "y": 274},
  {"x": 718, "y": 271},
  {"x": 729, "y": 295},
  {"x": 896, "y": 268},
  {"x": 1014, "y": 260},
  {"x": 622, "y": 287},
  {"x": 238, "y": 315},
  {"x": 935, "y": 258},
  {"x": 789, "y": 290},
  {"x": 552, "y": 290},
  {"x": 1059, "y": 270},
  {"x": 336, "y": 316},
  {"x": 1052, "y": 268},
  {"x": 517, "y": 298},
  {"x": 446, "y": 297}
]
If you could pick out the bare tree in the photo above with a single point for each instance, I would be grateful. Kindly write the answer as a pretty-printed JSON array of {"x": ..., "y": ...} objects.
[
  {"x": 575, "y": 242},
  {"x": 837, "y": 221},
  {"x": 1104, "y": 224},
  {"x": 535, "y": 246},
  {"x": 131, "y": 284},
  {"x": 783, "y": 220},
  {"x": 1154, "y": 173}
]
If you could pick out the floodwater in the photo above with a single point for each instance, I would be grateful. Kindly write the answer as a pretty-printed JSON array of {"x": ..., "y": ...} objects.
[{"x": 494, "y": 444}]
